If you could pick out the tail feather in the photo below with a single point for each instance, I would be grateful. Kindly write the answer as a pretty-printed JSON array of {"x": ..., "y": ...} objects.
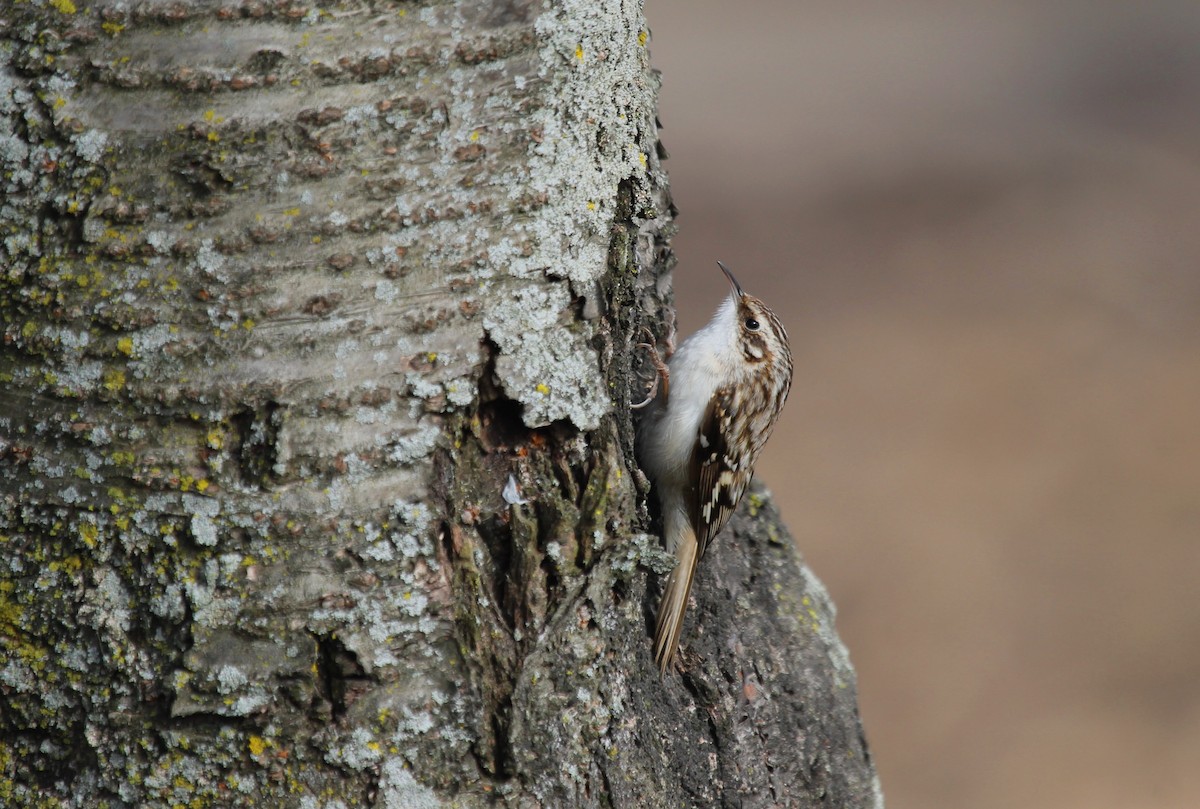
[{"x": 674, "y": 599}]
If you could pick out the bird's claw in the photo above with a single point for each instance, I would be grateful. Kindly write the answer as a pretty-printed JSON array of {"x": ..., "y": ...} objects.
[{"x": 661, "y": 372}]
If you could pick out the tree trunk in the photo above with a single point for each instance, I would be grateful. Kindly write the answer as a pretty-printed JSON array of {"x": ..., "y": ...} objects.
[{"x": 316, "y": 462}]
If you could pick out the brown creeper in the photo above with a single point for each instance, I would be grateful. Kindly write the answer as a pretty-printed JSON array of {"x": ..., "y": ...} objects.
[{"x": 699, "y": 442}]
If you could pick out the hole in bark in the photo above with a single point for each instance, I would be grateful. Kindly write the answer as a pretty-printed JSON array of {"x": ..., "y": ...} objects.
[
  {"x": 501, "y": 425},
  {"x": 497, "y": 536},
  {"x": 340, "y": 677},
  {"x": 620, "y": 591},
  {"x": 449, "y": 546},
  {"x": 258, "y": 443},
  {"x": 503, "y": 752},
  {"x": 553, "y": 581}
]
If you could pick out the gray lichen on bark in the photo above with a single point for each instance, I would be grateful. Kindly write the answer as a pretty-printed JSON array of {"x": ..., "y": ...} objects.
[{"x": 290, "y": 294}]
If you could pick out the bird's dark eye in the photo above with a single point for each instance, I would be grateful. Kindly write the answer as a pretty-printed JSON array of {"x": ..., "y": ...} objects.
[{"x": 751, "y": 324}]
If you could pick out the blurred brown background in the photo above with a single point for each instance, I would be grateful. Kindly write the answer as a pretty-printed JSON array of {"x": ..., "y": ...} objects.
[{"x": 981, "y": 223}]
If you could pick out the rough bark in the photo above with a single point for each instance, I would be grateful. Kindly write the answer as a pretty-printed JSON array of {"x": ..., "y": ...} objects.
[{"x": 315, "y": 461}]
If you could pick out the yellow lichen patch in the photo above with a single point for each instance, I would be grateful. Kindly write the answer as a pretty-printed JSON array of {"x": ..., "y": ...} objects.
[
  {"x": 756, "y": 502},
  {"x": 114, "y": 379},
  {"x": 125, "y": 346},
  {"x": 579, "y": 52},
  {"x": 69, "y": 565},
  {"x": 11, "y": 616},
  {"x": 257, "y": 745},
  {"x": 112, "y": 28},
  {"x": 642, "y": 37},
  {"x": 63, "y": 6},
  {"x": 202, "y": 485},
  {"x": 88, "y": 533},
  {"x": 215, "y": 438},
  {"x": 7, "y": 785},
  {"x": 542, "y": 388}
]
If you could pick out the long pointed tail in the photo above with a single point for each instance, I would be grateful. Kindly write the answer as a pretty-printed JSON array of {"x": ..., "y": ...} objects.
[{"x": 675, "y": 596}]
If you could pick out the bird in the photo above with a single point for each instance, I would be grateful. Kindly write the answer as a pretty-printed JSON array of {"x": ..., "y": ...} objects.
[{"x": 722, "y": 393}]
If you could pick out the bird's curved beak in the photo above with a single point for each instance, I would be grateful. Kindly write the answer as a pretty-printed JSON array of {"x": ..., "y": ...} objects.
[{"x": 733, "y": 282}]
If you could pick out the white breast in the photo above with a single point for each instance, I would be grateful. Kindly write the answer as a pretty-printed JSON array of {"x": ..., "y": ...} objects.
[{"x": 705, "y": 359}]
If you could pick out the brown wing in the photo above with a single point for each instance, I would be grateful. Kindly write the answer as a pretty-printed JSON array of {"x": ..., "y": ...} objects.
[{"x": 720, "y": 469}]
